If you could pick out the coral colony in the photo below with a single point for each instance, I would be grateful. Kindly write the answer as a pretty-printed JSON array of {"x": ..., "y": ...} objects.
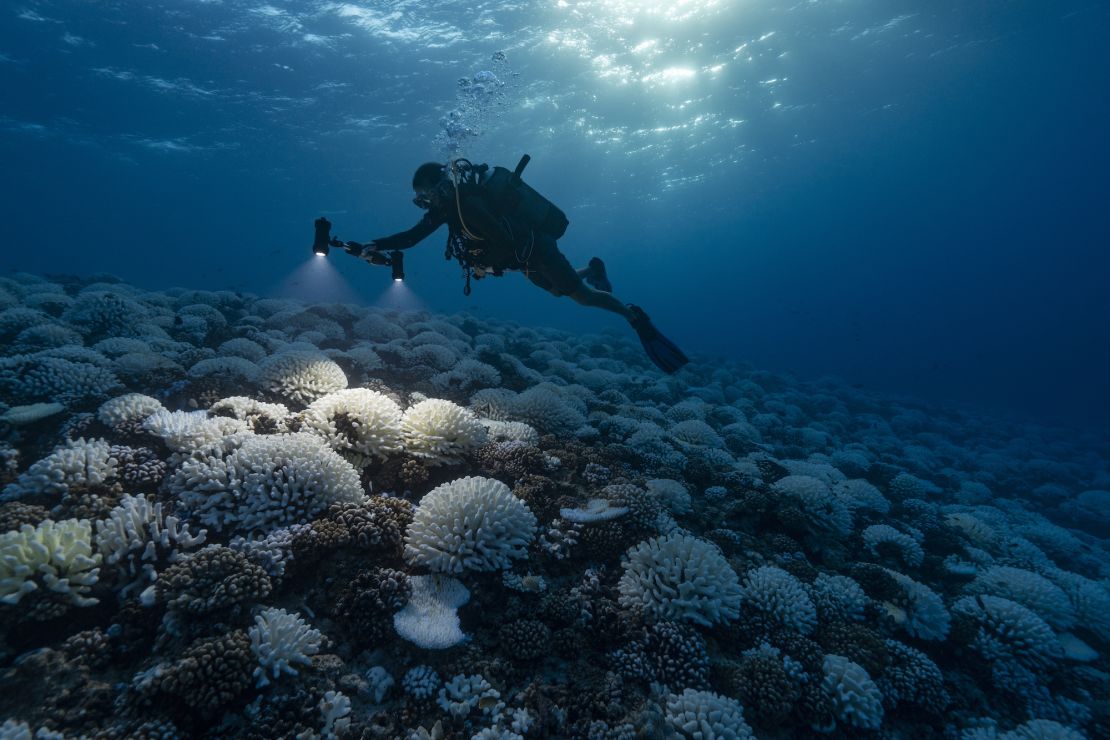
[{"x": 237, "y": 517}]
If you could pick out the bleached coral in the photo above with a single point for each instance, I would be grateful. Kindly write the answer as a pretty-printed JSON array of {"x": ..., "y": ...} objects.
[
  {"x": 859, "y": 494},
  {"x": 191, "y": 431},
  {"x": 441, "y": 432},
  {"x": 128, "y": 409},
  {"x": 703, "y": 715},
  {"x": 471, "y": 523},
  {"x": 681, "y": 578},
  {"x": 509, "y": 431},
  {"x": 1090, "y": 599},
  {"x": 1029, "y": 589},
  {"x": 1007, "y": 630},
  {"x": 361, "y": 424},
  {"x": 421, "y": 681},
  {"x": 546, "y": 407},
  {"x": 267, "y": 482},
  {"x": 882, "y": 539},
  {"x": 856, "y": 699},
  {"x": 260, "y": 417},
  {"x": 75, "y": 464},
  {"x": 466, "y": 375},
  {"x": 280, "y": 639},
  {"x": 54, "y": 559},
  {"x": 462, "y": 694},
  {"x": 778, "y": 599},
  {"x": 301, "y": 376},
  {"x": 595, "y": 510},
  {"x": 229, "y": 369},
  {"x": 920, "y": 611},
  {"x": 824, "y": 512},
  {"x": 430, "y": 620},
  {"x": 136, "y": 539}
]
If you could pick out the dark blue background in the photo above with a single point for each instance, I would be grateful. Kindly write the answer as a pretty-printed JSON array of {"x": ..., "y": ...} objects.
[{"x": 925, "y": 210}]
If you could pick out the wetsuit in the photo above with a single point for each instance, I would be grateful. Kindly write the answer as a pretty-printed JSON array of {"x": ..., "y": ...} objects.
[{"x": 503, "y": 244}]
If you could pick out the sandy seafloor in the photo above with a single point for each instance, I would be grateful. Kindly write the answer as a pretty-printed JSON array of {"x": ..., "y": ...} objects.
[{"x": 237, "y": 517}]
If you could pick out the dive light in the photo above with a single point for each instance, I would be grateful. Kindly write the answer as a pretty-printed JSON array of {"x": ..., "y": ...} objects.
[
  {"x": 323, "y": 236},
  {"x": 323, "y": 241}
]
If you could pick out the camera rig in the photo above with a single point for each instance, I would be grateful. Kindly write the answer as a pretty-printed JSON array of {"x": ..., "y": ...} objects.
[{"x": 324, "y": 241}]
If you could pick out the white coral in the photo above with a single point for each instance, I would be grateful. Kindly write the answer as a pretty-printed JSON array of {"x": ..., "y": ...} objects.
[
  {"x": 128, "y": 408},
  {"x": 76, "y": 463},
  {"x": 191, "y": 431},
  {"x": 267, "y": 482},
  {"x": 56, "y": 556},
  {"x": 441, "y": 432},
  {"x": 1007, "y": 630},
  {"x": 135, "y": 538},
  {"x": 703, "y": 715},
  {"x": 301, "y": 376},
  {"x": 681, "y": 578},
  {"x": 361, "y": 424},
  {"x": 430, "y": 619},
  {"x": 280, "y": 639},
  {"x": 856, "y": 699},
  {"x": 824, "y": 513},
  {"x": 779, "y": 598},
  {"x": 921, "y": 612},
  {"x": 879, "y": 537},
  {"x": 1029, "y": 589},
  {"x": 471, "y": 523}
]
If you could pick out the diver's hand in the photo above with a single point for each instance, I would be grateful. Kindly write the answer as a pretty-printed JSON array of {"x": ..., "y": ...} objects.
[{"x": 355, "y": 249}]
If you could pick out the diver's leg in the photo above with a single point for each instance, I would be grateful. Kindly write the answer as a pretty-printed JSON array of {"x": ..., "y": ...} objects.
[{"x": 587, "y": 296}]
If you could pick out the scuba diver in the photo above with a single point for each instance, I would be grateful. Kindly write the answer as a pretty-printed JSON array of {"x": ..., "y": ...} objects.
[{"x": 496, "y": 222}]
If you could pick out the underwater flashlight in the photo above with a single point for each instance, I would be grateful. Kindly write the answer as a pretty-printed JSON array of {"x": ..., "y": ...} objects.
[
  {"x": 323, "y": 236},
  {"x": 397, "y": 262}
]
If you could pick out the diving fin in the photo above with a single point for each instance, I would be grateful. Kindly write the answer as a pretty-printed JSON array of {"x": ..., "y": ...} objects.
[
  {"x": 595, "y": 275},
  {"x": 662, "y": 351}
]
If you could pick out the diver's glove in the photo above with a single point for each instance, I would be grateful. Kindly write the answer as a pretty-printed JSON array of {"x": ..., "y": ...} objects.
[{"x": 360, "y": 250}]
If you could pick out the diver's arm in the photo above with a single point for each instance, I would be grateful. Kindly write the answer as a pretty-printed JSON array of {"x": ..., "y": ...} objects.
[
  {"x": 410, "y": 238},
  {"x": 480, "y": 218}
]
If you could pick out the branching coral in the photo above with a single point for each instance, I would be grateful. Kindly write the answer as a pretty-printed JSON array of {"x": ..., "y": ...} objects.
[
  {"x": 53, "y": 563},
  {"x": 361, "y": 424},
  {"x": 441, "y": 432},
  {"x": 469, "y": 524},
  {"x": 680, "y": 578}
]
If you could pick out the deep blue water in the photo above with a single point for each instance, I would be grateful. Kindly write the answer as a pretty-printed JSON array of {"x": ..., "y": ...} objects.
[{"x": 910, "y": 195}]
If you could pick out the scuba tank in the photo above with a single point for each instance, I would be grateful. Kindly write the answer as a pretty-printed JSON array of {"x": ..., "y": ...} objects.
[{"x": 513, "y": 198}]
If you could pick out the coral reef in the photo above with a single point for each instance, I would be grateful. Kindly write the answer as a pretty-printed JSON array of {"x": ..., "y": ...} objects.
[{"x": 226, "y": 516}]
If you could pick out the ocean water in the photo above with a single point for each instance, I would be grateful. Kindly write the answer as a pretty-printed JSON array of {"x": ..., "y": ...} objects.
[{"x": 250, "y": 492}]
